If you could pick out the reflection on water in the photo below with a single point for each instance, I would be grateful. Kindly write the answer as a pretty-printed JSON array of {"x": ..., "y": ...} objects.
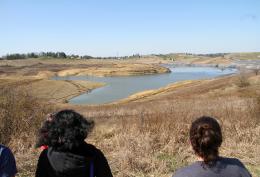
[{"x": 121, "y": 87}]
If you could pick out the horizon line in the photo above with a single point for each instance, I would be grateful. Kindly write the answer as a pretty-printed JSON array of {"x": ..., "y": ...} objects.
[{"x": 134, "y": 54}]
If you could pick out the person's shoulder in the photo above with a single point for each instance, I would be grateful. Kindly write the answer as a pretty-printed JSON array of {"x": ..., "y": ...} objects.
[
  {"x": 187, "y": 170},
  {"x": 43, "y": 153},
  {"x": 8, "y": 164},
  {"x": 3, "y": 148},
  {"x": 234, "y": 164},
  {"x": 232, "y": 161},
  {"x": 92, "y": 149},
  {"x": 5, "y": 151}
]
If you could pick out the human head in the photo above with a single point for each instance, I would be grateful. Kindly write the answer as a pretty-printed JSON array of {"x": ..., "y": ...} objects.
[
  {"x": 64, "y": 130},
  {"x": 206, "y": 138}
]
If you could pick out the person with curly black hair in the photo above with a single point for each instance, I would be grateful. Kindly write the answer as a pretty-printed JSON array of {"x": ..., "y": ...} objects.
[
  {"x": 65, "y": 153},
  {"x": 206, "y": 138}
]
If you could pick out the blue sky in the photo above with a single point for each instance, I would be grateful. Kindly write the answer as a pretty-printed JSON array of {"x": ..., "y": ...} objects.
[{"x": 126, "y": 27}]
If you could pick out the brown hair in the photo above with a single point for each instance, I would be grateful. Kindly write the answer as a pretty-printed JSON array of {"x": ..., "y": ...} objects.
[{"x": 206, "y": 138}]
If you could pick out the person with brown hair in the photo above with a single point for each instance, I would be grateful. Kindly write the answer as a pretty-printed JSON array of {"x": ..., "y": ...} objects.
[{"x": 205, "y": 139}]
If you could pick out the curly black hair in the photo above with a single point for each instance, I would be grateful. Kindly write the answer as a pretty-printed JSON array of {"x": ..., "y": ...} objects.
[
  {"x": 64, "y": 130},
  {"x": 206, "y": 138}
]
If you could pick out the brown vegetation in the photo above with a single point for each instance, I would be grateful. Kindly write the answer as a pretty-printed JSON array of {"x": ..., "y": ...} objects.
[
  {"x": 256, "y": 71},
  {"x": 154, "y": 141},
  {"x": 243, "y": 80},
  {"x": 49, "y": 90},
  {"x": 145, "y": 135},
  {"x": 51, "y": 67},
  {"x": 149, "y": 138},
  {"x": 20, "y": 117}
]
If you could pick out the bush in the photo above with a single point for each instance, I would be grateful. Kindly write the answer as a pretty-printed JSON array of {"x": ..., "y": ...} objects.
[
  {"x": 243, "y": 80},
  {"x": 256, "y": 71},
  {"x": 20, "y": 116}
]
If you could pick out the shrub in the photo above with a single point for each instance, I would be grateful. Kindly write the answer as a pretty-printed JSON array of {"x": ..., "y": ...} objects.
[
  {"x": 243, "y": 80},
  {"x": 256, "y": 71},
  {"x": 20, "y": 116}
]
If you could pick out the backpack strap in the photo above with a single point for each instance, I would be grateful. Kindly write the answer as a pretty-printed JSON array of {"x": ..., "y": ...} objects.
[{"x": 91, "y": 171}]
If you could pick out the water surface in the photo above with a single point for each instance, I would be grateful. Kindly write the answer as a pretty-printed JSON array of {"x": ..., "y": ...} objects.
[{"x": 121, "y": 87}]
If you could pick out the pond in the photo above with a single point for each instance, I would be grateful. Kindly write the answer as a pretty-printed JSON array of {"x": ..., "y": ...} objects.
[{"x": 117, "y": 88}]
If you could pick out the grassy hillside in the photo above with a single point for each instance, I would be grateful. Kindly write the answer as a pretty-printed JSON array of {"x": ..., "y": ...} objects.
[
  {"x": 148, "y": 137},
  {"x": 64, "y": 67},
  {"x": 145, "y": 135}
]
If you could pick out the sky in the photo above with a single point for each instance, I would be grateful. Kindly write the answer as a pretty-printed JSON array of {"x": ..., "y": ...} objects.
[{"x": 127, "y": 27}]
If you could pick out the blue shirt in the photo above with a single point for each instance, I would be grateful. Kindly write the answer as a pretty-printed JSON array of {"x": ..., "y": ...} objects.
[
  {"x": 224, "y": 167},
  {"x": 7, "y": 162}
]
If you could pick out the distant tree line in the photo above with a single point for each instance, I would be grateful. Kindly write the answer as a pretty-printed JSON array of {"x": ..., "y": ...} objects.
[
  {"x": 60, "y": 55},
  {"x": 53, "y": 54},
  {"x": 35, "y": 55},
  {"x": 63, "y": 55}
]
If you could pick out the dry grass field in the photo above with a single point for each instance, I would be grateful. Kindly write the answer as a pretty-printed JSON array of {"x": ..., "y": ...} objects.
[
  {"x": 145, "y": 135},
  {"x": 63, "y": 67},
  {"x": 49, "y": 90}
]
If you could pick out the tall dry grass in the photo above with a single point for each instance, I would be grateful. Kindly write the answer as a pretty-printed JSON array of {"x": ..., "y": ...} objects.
[
  {"x": 21, "y": 116},
  {"x": 141, "y": 140},
  {"x": 153, "y": 141}
]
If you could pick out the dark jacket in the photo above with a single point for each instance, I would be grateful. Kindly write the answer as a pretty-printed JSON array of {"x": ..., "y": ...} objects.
[{"x": 79, "y": 162}]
